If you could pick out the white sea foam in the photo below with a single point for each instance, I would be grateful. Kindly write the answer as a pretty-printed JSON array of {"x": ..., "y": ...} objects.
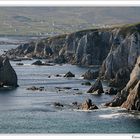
[
  {"x": 80, "y": 110},
  {"x": 109, "y": 116}
]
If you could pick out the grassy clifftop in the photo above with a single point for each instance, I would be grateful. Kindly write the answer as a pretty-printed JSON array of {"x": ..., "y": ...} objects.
[{"x": 54, "y": 20}]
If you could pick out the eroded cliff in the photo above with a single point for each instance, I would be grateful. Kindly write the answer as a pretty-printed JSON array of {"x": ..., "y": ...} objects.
[{"x": 115, "y": 50}]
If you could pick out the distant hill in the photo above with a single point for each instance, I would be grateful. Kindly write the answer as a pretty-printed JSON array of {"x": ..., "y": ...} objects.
[{"x": 56, "y": 20}]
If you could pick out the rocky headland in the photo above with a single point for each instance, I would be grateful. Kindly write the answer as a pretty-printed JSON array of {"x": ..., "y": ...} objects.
[{"x": 115, "y": 50}]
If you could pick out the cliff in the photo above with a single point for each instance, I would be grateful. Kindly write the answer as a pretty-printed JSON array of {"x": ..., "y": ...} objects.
[
  {"x": 122, "y": 56},
  {"x": 115, "y": 50},
  {"x": 129, "y": 97}
]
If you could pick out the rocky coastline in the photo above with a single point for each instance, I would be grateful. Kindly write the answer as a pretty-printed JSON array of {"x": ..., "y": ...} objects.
[{"x": 115, "y": 50}]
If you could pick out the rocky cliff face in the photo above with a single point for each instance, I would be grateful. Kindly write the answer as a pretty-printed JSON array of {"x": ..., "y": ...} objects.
[
  {"x": 129, "y": 97},
  {"x": 114, "y": 49},
  {"x": 89, "y": 47},
  {"x": 8, "y": 76},
  {"x": 122, "y": 56},
  {"x": 44, "y": 48}
]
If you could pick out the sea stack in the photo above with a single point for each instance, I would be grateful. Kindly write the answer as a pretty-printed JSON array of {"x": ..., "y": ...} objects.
[{"x": 8, "y": 76}]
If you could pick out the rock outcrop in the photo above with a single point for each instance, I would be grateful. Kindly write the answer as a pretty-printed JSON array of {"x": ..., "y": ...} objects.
[
  {"x": 8, "y": 76},
  {"x": 43, "y": 48},
  {"x": 88, "y": 105},
  {"x": 38, "y": 62},
  {"x": 69, "y": 74},
  {"x": 96, "y": 87},
  {"x": 90, "y": 75},
  {"x": 129, "y": 97},
  {"x": 111, "y": 91}
]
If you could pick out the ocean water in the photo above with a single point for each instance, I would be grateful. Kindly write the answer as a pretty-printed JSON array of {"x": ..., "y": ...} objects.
[{"x": 25, "y": 111}]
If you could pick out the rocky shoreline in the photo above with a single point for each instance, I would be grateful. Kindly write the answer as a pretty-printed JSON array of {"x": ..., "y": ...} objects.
[{"x": 114, "y": 50}]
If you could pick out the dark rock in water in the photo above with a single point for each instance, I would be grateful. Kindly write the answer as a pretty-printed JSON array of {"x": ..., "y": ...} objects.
[
  {"x": 63, "y": 88},
  {"x": 38, "y": 62},
  {"x": 58, "y": 75},
  {"x": 19, "y": 64},
  {"x": 75, "y": 89},
  {"x": 90, "y": 75},
  {"x": 16, "y": 59},
  {"x": 35, "y": 88},
  {"x": 69, "y": 74},
  {"x": 111, "y": 91},
  {"x": 67, "y": 88},
  {"x": 8, "y": 76},
  {"x": 79, "y": 93},
  {"x": 87, "y": 105},
  {"x": 57, "y": 104},
  {"x": 75, "y": 103},
  {"x": 97, "y": 86},
  {"x": 32, "y": 88},
  {"x": 47, "y": 64},
  {"x": 86, "y": 83}
]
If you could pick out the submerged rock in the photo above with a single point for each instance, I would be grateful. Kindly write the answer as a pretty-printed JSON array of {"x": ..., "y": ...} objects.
[
  {"x": 69, "y": 74},
  {"x": 97, "y": 86},
  {"x": 86, "y": 83},
  {"x": 68, "y": 88},
  {"x": 75, "y": 103},
  {"x": 38, "y": 62},
  {"x": 19, "y": 64},
  {"x": 88, "y": 105},
  {"x": 8, "y": 76},
  {"x": 36, "y": 88},
  {"x": 58, "y": 75},
  {"x": 57, "y": 104}
]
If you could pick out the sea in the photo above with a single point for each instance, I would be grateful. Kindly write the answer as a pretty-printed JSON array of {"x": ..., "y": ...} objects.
[{"x": 27, "y": 111}]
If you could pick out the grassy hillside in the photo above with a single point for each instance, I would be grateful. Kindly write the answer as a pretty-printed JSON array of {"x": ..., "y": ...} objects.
[{"x": 36, "y": 21}]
